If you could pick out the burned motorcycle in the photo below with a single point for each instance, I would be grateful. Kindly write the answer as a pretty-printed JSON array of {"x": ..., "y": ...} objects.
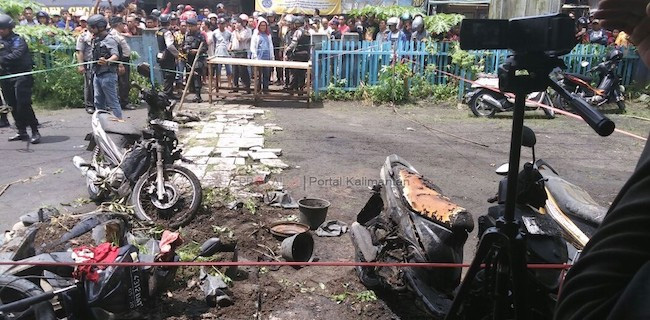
[
  {"x": 485, "y": 100},
  {"x": 50, "y": 292},
  {"x": 409, "y": 220},
  {"x": 127, "y": 162},
  {"x": 608, "y": 90}
]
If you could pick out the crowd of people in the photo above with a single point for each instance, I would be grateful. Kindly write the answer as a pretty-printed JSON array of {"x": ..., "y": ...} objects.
[{"x": 185, "y": 34}]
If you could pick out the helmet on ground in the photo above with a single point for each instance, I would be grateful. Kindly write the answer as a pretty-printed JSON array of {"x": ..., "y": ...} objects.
[
  {"x": 164, "y": 18},
  {"x": 97, "y": 21},
  {"x": 6, "y": 22}
]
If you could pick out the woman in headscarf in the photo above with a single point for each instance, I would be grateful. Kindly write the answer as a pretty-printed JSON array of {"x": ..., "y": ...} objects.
[{"x": 262, "y": 49}]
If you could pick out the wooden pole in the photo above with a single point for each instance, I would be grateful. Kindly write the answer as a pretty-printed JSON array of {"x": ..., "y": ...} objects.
[{"x": 189, "y": 77}]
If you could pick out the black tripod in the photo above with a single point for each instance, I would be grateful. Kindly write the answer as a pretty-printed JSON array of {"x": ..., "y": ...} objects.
[{"x": 504, "y": 246}]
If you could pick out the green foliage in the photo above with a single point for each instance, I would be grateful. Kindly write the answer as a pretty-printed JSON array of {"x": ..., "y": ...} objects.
[
  {"x": 335, "y": 91},
  {"x": 367, "y": 296},
  {"x": 134, "y": 94},
  {"x": 442, "y": 22},
  {"x": 59, "y": 88},
  {"x": 466, "y": 60},
  {"x": 39, "y": 38},
  {"x": 15, "y": 8},
  {"x": 384, "y": 12}
]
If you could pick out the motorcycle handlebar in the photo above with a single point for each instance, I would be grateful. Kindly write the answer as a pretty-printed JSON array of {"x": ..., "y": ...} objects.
[{"x": 596, "y": 120}]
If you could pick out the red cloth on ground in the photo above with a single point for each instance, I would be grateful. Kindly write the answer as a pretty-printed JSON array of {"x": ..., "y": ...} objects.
[
  {"x": 104, "y": 252},
  {"x": 168, "y": 243}
]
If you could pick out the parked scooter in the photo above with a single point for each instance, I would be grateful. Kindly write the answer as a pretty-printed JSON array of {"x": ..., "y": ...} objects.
[
  {"x": 127, "y": 161},
  {"x": 118, "y": 293},
  {"x": 485, "y": 102},
  {"x": 608, "y": 90},
  {"x": 407, "y": 219}
]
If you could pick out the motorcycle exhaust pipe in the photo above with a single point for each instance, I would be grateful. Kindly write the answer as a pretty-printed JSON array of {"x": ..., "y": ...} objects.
[
  {"x": 492, "y": 101},
  {"x": 84, "y": 167}
]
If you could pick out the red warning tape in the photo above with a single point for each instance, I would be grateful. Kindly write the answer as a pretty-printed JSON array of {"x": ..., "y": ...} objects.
[{"x": 268, "y": 264}]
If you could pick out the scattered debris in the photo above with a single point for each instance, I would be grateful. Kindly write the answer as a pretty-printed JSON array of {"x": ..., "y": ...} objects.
[
  {"x": 332, "y": 228},
  {"x": 280, "y": 199},
  {"x": 214, "y": 288}
]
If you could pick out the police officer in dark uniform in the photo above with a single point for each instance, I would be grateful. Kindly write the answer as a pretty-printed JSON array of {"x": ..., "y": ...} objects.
[
  {"x": 15, "y": 58},
  {"x": 298, "y": 50},
  {"x": 167, "y": 54},
  {"x": 193, "y": 40}
]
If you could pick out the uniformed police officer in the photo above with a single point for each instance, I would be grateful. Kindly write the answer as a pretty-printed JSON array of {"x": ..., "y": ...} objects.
[
  {"x": 298, "y": 50},
  {"x": 105, "y": 52},
  {"x": 167, "y": 54},
  {"x": 15, "y": 58},
  {"x": 193, "y": 40}
]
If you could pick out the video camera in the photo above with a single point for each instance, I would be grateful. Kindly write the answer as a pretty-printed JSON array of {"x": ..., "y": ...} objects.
[{"x": 551, "y": 34}]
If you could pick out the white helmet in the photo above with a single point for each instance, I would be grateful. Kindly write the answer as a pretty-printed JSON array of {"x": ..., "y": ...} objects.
[
  {"x": 392, "y": 21},
  {"x": 243, "y": 16},
  {"x": 256, "y": 14},
  {"x": 213, "y": 15}
]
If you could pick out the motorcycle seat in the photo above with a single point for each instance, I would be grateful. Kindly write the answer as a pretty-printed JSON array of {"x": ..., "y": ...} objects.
[
  {"x": 426, "y": 201},
  {"x": 582, "y": 77},
  {"x": 573, "y": 200},
  {"x": 108, "y": 123}
]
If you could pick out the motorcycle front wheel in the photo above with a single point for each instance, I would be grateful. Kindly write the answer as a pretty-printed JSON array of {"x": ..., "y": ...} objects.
[
  {"x": 181, "y": 201},
  {"x": 621, "y": 105}
]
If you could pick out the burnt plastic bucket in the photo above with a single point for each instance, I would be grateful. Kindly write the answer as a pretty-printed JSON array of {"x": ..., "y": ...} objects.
[
  {"x": 299, "y": 247},
  {"x": 313, "y": 211}
]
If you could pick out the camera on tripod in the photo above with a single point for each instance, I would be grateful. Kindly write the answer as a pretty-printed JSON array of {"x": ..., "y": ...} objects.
[{"x": 552, "y": 34}]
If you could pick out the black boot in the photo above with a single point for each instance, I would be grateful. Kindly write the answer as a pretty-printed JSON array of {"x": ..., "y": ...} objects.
[
  {"x": 20, "y": 136},
  {"x": 4, "y": 122},
  {"x": 36, "y": 136}
]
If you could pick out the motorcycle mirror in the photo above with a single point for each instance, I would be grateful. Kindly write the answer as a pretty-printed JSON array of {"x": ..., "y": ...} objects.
[
  {"x": 213, "y": 246},
  {"x": 584, "y": 63},
  {"x": 502, "y": 170},
  {"x": 528, "y": 138},
  {"x": 144, "y": 69}
]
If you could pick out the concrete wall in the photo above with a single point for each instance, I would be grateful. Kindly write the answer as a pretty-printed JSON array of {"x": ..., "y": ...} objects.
[{"x": 507, "y": 9}]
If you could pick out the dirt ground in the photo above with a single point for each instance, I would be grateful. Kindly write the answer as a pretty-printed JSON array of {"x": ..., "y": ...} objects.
[{"x": 335, "y": 152}]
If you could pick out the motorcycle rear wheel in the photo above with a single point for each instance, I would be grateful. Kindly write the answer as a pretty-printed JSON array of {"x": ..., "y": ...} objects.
[
  {"x": 480, "y": 108},
  {"x": 187, "y": 195},
  {"x": 15, "y": 288}
]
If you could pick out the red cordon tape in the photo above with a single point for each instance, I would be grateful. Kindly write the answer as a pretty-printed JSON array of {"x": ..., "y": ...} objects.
[{"x": 268, "y": 264}]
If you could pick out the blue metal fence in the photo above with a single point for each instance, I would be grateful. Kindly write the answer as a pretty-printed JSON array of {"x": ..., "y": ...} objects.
[{"x": 351, "y": 64}]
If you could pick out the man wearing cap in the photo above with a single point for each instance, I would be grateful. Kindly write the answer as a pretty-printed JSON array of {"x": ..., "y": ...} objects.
[
  {"x": 241, "y": 43},
  {"x": 221, "y": 8},
  {"x": 167, "y": 54},
  {"x": 193, "y": 40},
  {"x": 84, "y": 49},
  {"x": 222, "y": 39},
  {"x": 597, "y": 34},
  {"x": 123, "y": 70},
  {"x": 83, "y": 25}
]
